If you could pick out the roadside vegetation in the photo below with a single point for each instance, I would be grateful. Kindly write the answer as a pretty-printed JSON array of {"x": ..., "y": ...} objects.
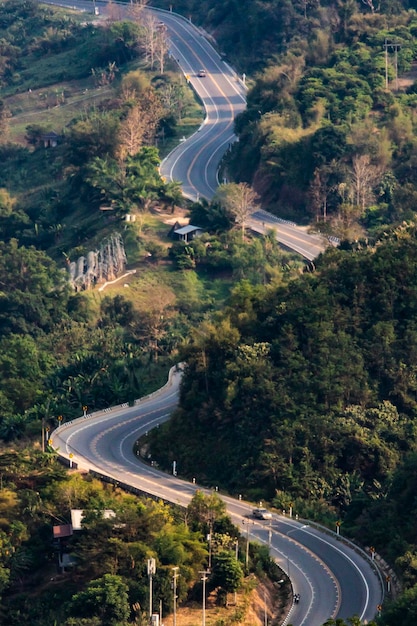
[
  {"x": 300, "y": 378},
  {"x": 86, "y": 114},
  {"x": 105, "y": 579},
  {"x": 316, "y": 377}
]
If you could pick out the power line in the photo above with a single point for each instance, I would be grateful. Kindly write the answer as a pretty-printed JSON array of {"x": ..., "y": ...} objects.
[{"x": 395, "y": 46}]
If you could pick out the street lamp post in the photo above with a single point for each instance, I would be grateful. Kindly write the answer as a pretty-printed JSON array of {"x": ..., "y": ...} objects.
[
  {"x": 247, "y": 542},
  {"x": 204, "y": 579},
  {"x": 174, "y": 586},
  {"x": 151, "y": 572}
]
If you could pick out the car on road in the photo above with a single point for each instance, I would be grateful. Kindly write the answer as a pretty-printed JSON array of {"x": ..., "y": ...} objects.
[
  {"x": 261, "y": 514},
  {"x": 202, "y": 73}
]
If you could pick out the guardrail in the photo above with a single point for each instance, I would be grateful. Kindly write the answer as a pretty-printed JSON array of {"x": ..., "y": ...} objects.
[
  {"x": 105, "y": 412},
  {"x": 354, "y": 546}
]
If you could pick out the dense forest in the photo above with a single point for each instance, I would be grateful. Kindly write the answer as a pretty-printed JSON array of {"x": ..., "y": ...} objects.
[
  {"x": 109, "y": 585},
  {"x": 328, "y": 134},
  {"x": 106, "y": 102},
  {"x": 302, "y": 383},
  {"x": 307, "y": 390}
]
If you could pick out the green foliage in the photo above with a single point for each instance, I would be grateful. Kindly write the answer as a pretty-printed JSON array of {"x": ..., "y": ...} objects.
[
  {"x": 302, "y": 374},
  {"x": 227, "y": 572},
  {"x": 204, "y": 510},
  {"x": 92, "y": 137},
  {"x": 211, "y": 216},
  {"x": 127, "y": 185},
  {"x": 106, "y": 598},
  {"x": 111, "y": 554},
  {"x": 401, "y": 612},
  {"x": 303, "y": 131},
  {"x": 32, "y": 34}
]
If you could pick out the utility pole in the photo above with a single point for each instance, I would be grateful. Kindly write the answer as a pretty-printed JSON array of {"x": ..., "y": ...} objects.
[
  {"x": 204, "y": 579},
  {"x": 174, "y": 588},
  {"x": 396, "y": 47},
  {"x": 386, "y": 62},
  {"x": 209, "y": 540},
  {"x": 151, "y": 571},
  {"x": 247, "y": 542},
  {"x": 393, "y": 45}
]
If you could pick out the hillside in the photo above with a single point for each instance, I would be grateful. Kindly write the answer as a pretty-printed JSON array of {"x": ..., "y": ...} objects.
[
  {"x": 84, "y": 108},
  {"x": 328, "y": 137},
  {"x": 303, "y": 383}
]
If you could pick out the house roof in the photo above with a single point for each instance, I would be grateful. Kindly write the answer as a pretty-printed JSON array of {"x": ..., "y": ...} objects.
[
  {"x": 78, "y": 514},
  {"x": 185, "y": 230},
  {"x": 64, "y": 530},
  {"x": 51, "y": 135}
]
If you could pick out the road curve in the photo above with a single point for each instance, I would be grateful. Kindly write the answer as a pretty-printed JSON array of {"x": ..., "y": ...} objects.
[
  {"x": 333, "y": 579},
  {"x": 195, "y": 162}
]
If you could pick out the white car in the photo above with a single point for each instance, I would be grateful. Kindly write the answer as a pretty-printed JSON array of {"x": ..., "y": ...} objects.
[
  {"x": 202, "y": 74},
  {"x": 261, "y": 514}
]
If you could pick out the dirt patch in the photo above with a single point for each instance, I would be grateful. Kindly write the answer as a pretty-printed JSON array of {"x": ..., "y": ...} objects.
[
  {"x": 255, "y": 601},
  {"x": 178, "y": 215},
  {"x": 406, "y": 80}
]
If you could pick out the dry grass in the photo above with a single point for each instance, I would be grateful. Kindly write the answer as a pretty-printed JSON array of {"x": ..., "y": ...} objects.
[
  {"x": 53, "y": 106},
  {"x": 249, "y": 609}
]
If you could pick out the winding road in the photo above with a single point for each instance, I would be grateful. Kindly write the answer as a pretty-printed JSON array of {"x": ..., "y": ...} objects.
[
  {"x": 332, "y": 578},
  {"x": 195, "y": 162}
]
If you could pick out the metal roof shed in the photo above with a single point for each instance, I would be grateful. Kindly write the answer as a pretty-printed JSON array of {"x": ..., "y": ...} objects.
[{"x": 188, "y": 233}]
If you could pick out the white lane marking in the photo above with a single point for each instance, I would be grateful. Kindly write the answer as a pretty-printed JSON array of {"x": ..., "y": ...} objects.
[
  {"x": 109, "y": 417},
  {"x": 228, "y": 120},
  {"x": 197, "y": 134},
  {"x": 191, "y": 30},
  {"x": 306, "y": 578},
  {"x": 347, "y": 557}
]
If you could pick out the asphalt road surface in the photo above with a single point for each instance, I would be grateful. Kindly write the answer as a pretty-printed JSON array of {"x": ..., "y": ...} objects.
[
  {"x": 332, "y": 579},
  {"x": 195, "y": 161}
]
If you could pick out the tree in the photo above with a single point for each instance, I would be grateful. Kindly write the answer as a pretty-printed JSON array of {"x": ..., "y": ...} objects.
[
  {"x": 124, "y": 184},
  {"x": 140, "y": 123},
  {"x": 132, "y": 131},
  {"x": 93, "y": 136},
  {"x": 133, "y": 86},
  {"x": 161, "y": 46},
  {"x": 106, "y": 598},
  {"x": 172, "y": 194},
  {"x": 227, "y": 572},
  {"x": 150, "y": 26},
  {"x": 4, "y": 121},
  {"x": 204, "y": 508},
  {"x": 7, "y": 203},
  {"x": 240, "y": 200},
  {"x": 363, "y": 178}
]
